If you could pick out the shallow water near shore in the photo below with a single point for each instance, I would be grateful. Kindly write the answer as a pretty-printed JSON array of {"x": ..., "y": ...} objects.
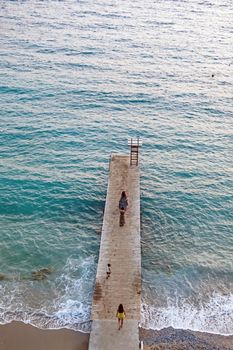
[{"x": 77, "y": 79}]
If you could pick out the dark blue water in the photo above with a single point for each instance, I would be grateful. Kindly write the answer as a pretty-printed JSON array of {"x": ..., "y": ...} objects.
[{"x": 77, "y": 78}]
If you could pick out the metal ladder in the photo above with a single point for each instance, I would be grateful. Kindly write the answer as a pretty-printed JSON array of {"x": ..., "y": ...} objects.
[{"x": 134, "y": 144}]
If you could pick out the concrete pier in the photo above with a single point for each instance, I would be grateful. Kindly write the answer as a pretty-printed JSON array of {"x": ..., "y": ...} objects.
[{"x": 120, "y": 246}]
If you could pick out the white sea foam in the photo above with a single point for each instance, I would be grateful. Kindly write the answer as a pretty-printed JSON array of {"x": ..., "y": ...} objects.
[
  {"x": 73, "y": 307},
  {"x": 62, "y": 302},
  {"x": 215, "y": 316}
]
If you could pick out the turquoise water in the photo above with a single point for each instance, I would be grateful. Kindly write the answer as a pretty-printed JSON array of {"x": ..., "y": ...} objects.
[{"x": 77, "y": 79}]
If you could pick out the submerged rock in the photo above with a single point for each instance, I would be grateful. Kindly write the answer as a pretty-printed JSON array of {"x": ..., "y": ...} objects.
[
  {"x": 41, "y": 274},
  {"x": 2, "y": 276},
  {"x": 46, "y": 270}
]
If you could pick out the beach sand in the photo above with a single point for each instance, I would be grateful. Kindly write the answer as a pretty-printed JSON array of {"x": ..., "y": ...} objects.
[{"x": 20, "y": 336}]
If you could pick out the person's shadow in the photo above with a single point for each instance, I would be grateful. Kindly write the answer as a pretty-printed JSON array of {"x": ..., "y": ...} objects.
[{"x": 122, "y": 218}]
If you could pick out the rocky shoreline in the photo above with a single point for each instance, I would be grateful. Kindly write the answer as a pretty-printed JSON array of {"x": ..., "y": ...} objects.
[{"x": 179, "y": 339}]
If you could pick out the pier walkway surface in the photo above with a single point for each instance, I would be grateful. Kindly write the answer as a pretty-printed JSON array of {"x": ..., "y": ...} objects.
[{"x": 120, "y": 246}]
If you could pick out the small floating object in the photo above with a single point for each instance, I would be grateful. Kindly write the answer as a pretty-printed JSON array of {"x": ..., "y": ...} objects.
[{"x": 168, "y": 268}]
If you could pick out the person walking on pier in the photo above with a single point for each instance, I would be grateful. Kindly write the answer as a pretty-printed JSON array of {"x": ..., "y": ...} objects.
[
  {"x": 120, "y": 315},
  {"x": 123, "y": 202},
  {"x": 108, "y": 272}
]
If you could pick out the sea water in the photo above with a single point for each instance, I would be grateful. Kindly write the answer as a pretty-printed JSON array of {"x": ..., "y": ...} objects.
[{"x": 77, "y": 79}]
